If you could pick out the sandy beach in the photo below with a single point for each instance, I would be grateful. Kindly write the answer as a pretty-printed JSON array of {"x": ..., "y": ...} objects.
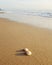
[{"x": 16, "y": 36}]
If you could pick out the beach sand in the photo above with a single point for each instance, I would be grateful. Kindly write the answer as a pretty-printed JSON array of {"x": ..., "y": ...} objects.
[{"x": 16, "y": 36}]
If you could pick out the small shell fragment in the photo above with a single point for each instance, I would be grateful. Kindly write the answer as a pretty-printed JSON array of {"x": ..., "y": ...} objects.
[
  {"x": 27, "y": 52},
  {"x": 26, "y": 49}
]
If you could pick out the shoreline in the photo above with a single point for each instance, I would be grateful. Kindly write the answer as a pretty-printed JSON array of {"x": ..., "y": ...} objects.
[{"x": 37, "y": 21}]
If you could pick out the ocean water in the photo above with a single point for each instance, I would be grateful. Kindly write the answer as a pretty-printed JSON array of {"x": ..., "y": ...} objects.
[{"x": 39, "y": 18}]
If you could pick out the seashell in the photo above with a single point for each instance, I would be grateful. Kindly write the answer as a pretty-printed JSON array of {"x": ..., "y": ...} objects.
[
  {"x": 28, "y": 53},
  {"x": 26, "y": 49}
]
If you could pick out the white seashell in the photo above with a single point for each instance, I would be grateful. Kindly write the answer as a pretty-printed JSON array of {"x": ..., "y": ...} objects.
[
  {"x": 26, "y": 49},
  {"x": 28, "y": 53}
]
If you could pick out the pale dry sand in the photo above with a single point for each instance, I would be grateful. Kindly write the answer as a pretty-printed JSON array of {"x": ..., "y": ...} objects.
[{"x": 16, "y": 36}]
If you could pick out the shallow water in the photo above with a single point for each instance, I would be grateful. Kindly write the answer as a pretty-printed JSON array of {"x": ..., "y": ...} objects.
[{"x": 24, "y": 17}]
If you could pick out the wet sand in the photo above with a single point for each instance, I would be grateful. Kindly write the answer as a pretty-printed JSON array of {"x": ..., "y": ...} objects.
[
  {"x": 16, "y": 36},
  {"x": 2, "y": 12}
]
